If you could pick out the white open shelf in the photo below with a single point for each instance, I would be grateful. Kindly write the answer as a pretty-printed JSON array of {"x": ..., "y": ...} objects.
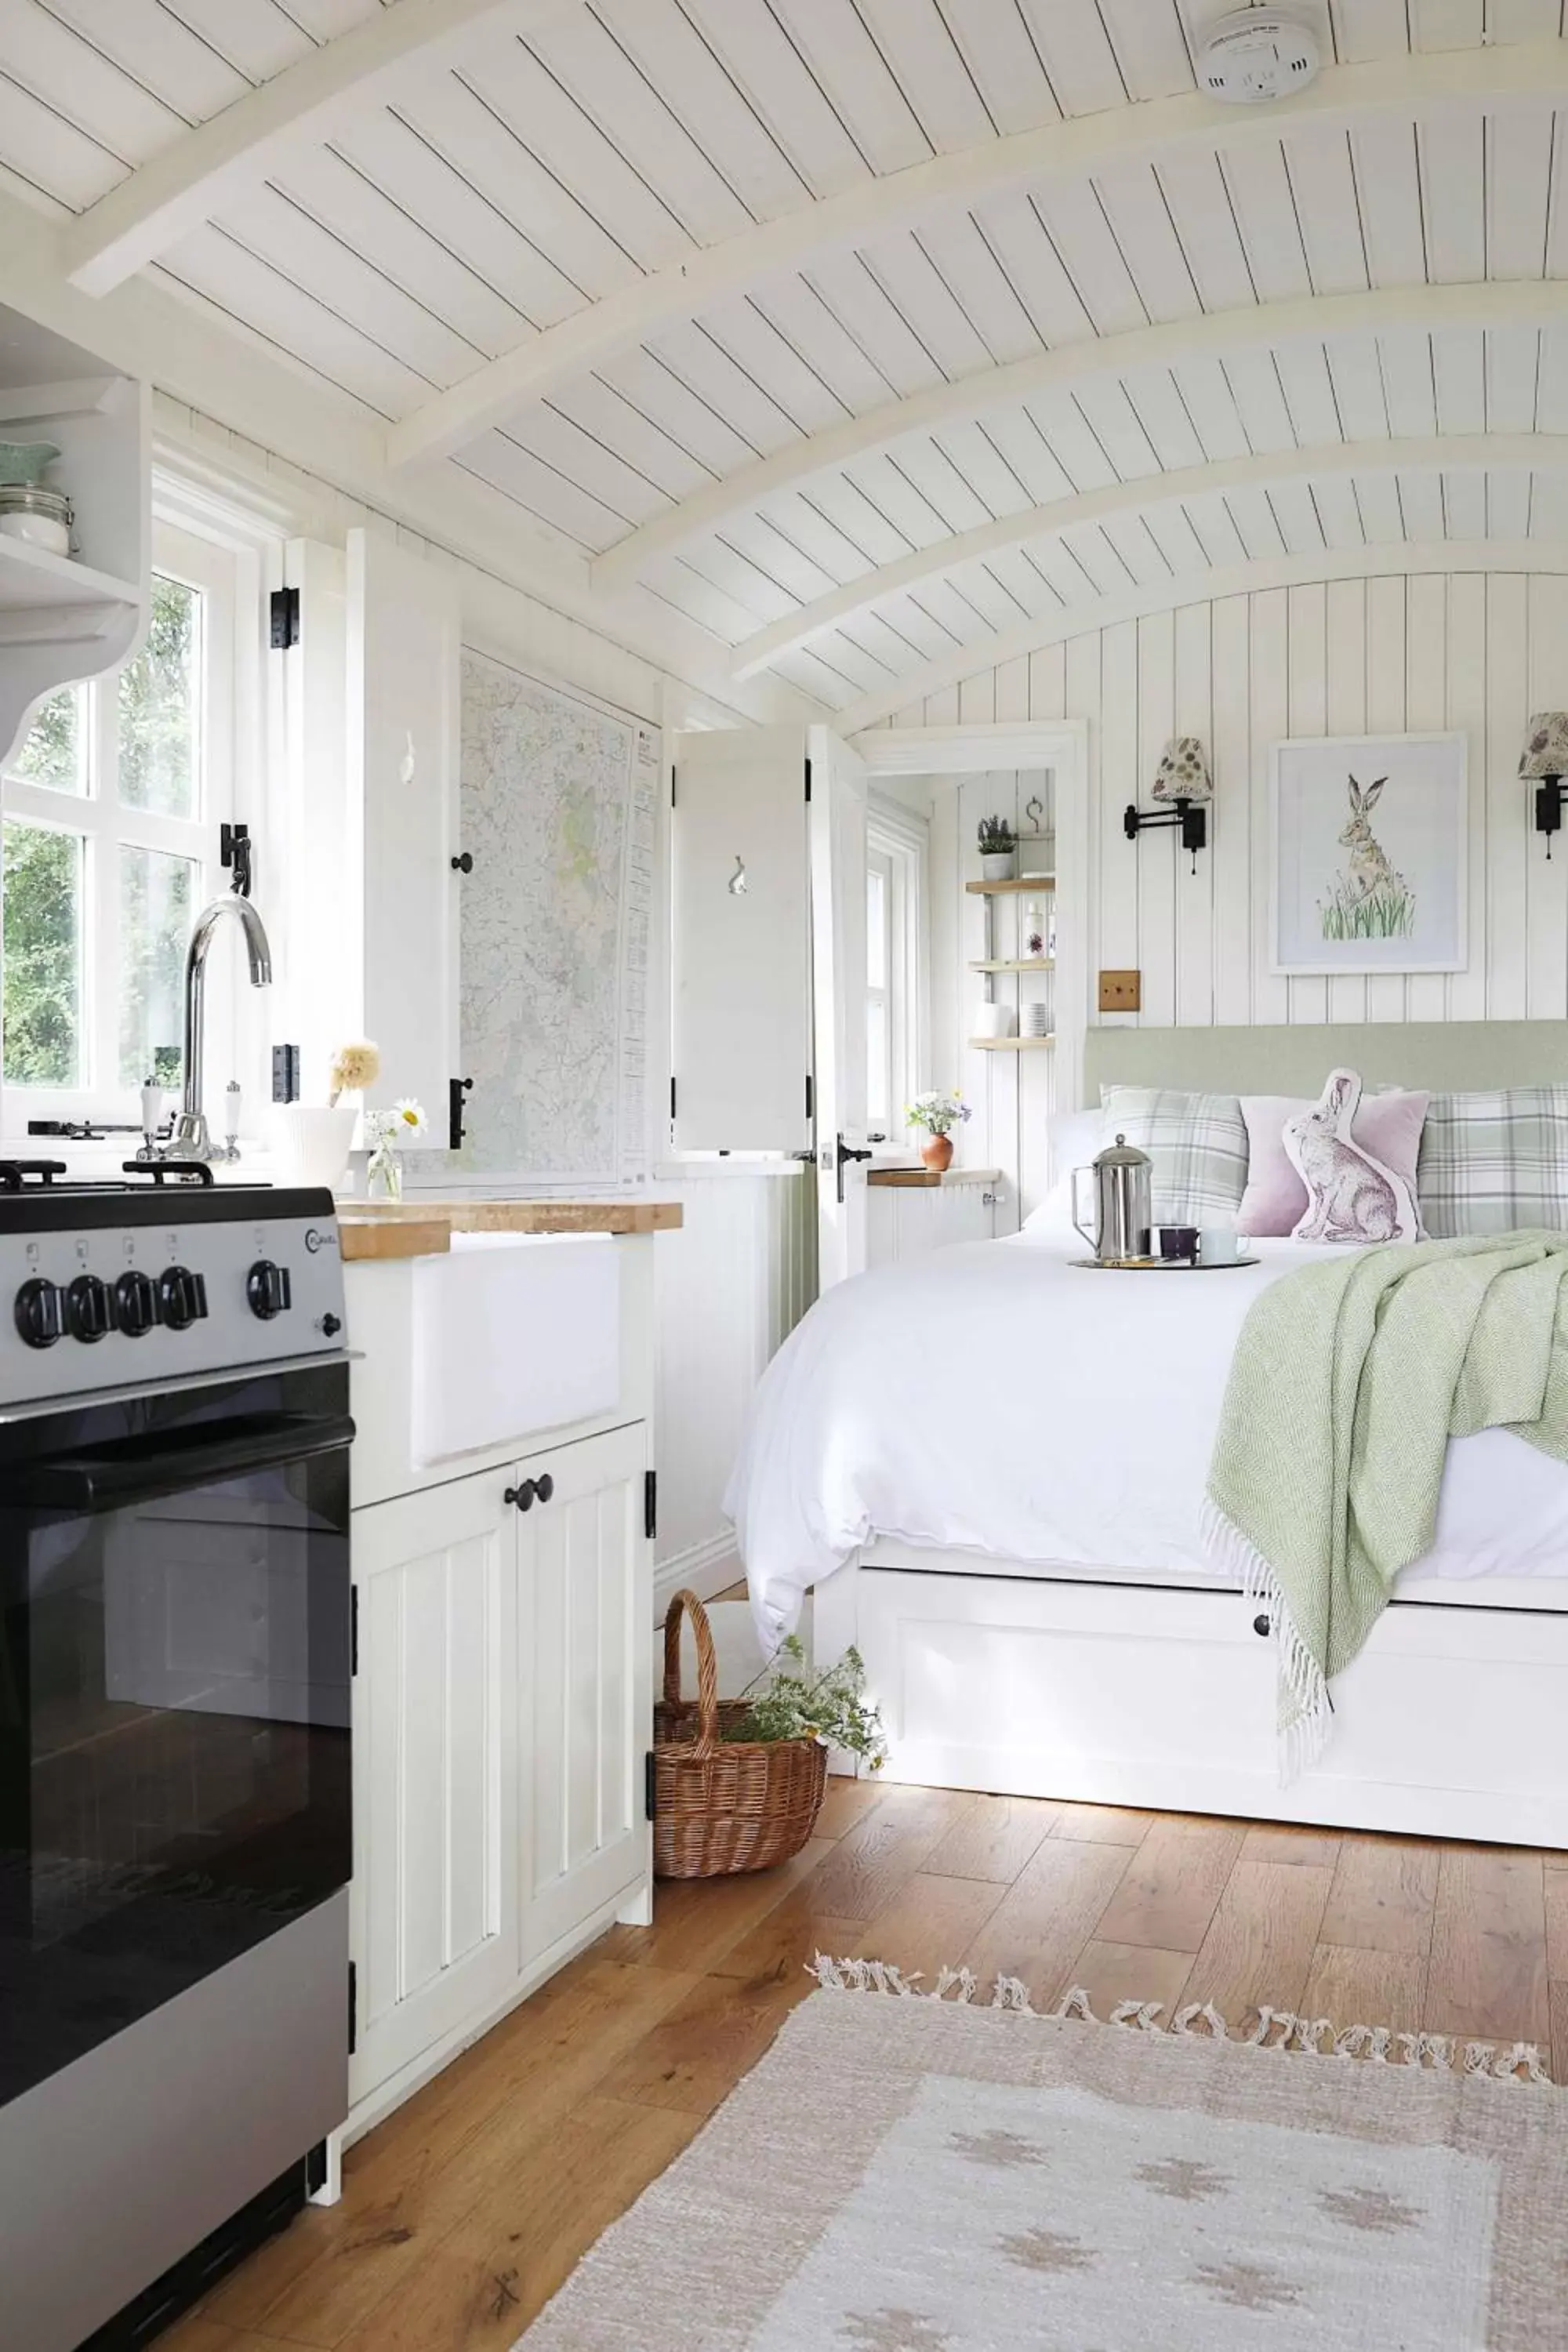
[
  {"x": 64, "y": 618},
  {"x": 33, "y": 576}
]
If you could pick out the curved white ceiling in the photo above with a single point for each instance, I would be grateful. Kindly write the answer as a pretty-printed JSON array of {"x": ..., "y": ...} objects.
[{"x": 875, "y": 337}]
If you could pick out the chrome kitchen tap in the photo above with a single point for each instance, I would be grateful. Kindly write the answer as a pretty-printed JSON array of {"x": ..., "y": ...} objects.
[{"x": 190, "y": 1138}]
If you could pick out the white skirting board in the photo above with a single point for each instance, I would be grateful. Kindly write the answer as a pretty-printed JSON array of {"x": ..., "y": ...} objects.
[{"x": 1059, "y": 1683}]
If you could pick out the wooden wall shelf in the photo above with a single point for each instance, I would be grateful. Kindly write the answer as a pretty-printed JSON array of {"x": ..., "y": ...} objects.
[
  {"x": 1024, "y": 882},
  {"x": 1010, "y": 1044},
  {"x": 1025, "y": 963}
]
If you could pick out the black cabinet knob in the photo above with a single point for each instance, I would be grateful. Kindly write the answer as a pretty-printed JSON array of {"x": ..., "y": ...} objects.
[
  {"x": 88, "y": 1310},
  {"x": 269, "y": 1289},
  {"x": 331, "y": 1325},
  {"x": 544, "y": 1486},
  {"x": 1261, "y": 1623},
  {"x": 464, "y": 861},
  {"x": 522, "y": 1496},
  {"x": 135, "y": 1305},
  {"x": 40, "y": 1314},
  {"x": 182, "y": 1296}
]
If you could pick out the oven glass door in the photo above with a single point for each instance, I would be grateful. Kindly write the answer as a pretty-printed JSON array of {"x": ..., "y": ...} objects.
[{"x": 174, "y": 1697}]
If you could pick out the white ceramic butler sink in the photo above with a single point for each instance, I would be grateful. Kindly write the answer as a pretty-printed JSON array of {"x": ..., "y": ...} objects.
[{"x": 513, "y": 1334}]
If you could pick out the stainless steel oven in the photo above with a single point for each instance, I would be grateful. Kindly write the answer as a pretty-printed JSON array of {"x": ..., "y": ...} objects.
[{"x": 176, "y": 1825}]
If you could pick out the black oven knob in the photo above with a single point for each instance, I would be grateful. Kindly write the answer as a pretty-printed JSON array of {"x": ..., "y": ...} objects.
[
  {"x": 88, "y": 1310},
  {"x": 182, "y": 1297},
  {"x": 267, "y": 1287},
  {"x": 135, "y": 1305},
  {"x": 40, "y": 1314}
]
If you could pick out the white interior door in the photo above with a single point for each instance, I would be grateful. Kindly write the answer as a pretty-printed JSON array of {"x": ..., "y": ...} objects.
[
  {"x": 839, "y": 994},
  {"x": 741, "y": 926}
]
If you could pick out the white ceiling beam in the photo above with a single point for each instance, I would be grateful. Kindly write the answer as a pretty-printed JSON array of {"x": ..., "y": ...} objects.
[
  {"x": 1427, "y": 84},
  {"x": 1411, "y": 559},
  {"x": 192, "y": 180},
  {"x": 1146, "y": 494},
  {"x": 230, "y": 378},
  {"x": 1421, "y": 310}
]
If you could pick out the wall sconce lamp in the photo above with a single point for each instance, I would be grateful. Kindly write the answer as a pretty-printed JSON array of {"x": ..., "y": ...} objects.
[
  {"x": 1544, "y": 759},
  {"x": 1183, "y": 780}
]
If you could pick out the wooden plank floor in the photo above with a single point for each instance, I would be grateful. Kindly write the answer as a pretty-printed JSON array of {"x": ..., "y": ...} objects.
[{"x": 463, "y": 2212}]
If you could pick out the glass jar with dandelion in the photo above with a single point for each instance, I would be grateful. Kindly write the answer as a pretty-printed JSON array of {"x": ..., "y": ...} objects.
[{"x": 384, "y": 1132}]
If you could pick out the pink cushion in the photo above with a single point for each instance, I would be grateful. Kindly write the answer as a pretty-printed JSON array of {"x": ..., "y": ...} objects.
[{"x": 1275, "y": 1201}]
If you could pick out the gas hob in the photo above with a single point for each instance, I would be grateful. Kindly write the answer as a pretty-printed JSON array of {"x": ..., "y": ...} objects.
[{"x": 157, "y": 1276}]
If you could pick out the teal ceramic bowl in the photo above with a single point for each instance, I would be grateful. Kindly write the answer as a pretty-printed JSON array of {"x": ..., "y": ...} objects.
[{"x": 27, "y": 461}]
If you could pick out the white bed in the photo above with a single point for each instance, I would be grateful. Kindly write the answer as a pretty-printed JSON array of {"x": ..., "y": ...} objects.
[{"x": 989, "y": 1464}]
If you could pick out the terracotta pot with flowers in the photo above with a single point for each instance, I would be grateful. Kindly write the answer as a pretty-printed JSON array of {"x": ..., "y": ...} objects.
[{"x": 937, "y": 1115}]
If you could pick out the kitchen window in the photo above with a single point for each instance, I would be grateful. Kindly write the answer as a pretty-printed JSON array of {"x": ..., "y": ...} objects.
[{"x": 111, "y": 810}]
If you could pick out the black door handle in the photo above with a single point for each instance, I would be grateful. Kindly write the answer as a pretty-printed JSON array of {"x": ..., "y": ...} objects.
[{"x": 848, "y": 1152}]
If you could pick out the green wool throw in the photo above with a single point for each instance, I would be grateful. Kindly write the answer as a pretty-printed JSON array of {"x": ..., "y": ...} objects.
[{"x": 1349, "y": 1379}]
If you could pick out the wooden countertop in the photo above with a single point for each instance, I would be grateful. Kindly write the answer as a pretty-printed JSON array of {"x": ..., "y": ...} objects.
[
  {"x": 399, "y": 1229},
  {"x": 911, "y": 1178}
]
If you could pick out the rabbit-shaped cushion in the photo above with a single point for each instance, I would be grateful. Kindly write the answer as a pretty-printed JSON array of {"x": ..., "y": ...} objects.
[{"x": 1351, "y": 1196}]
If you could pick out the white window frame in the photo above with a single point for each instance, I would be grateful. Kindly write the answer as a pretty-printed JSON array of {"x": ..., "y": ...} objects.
[
  {"x": 225, "y": 575},
  {"x": 897, "y": 845}
]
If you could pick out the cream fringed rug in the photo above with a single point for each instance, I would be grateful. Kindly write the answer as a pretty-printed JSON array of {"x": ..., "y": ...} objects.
[{"x": 931, "y": 2175}]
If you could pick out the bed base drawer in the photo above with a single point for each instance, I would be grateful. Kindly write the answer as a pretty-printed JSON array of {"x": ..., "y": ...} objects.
[{"x": 1449, "y": 1724}]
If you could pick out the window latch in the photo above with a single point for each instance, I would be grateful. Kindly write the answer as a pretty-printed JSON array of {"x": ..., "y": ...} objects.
[{"x": 234, "y": 852}]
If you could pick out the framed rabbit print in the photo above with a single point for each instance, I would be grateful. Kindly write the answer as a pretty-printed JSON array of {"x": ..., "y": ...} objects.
[{"x": 1371, "y": 854}]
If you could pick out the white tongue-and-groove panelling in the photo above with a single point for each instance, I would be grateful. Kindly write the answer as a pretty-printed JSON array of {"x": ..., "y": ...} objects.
[
  {"x": 557, "y": 158},
  {"x": 1466, "y": 651}
]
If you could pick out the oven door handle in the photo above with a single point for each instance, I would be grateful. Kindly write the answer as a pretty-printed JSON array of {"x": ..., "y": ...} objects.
[{"x": 120, "y": 1476}]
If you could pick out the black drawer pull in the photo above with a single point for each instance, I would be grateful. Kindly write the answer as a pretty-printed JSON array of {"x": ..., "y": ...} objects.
[{"x": 1261, "y": 1624}]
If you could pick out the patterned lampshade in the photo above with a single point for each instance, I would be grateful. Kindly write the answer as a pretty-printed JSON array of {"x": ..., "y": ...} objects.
[
  {"x": 1545, "y": 750},
  {"x": 1183, "y": 772}
]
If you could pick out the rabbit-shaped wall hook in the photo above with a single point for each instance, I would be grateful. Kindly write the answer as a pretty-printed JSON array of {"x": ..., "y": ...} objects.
[{"x": 1351, "y": 1196}]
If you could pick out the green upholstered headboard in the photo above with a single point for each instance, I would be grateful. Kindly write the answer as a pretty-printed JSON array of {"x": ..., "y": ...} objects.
[{"x": 1447, "y": 1056}]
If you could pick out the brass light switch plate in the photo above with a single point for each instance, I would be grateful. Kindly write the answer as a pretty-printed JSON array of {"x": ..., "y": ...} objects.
[{"x": 1120, "y": 991}]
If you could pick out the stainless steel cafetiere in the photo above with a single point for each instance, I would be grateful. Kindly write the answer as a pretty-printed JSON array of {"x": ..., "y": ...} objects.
[{"x": 1123, "y": 1202}]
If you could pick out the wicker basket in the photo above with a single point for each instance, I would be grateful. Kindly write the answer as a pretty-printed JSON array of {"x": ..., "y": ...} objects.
[{"x": 723, "y": 1805}]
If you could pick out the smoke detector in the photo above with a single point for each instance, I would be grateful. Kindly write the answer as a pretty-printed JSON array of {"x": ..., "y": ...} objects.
[{"x": 1255, "y": 55}]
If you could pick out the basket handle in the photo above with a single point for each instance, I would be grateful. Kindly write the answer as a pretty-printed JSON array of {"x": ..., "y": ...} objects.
[{"x": 707, "y": 1669}]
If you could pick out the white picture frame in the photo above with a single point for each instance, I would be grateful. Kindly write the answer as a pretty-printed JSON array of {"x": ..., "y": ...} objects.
[{"x": 1369, "y": 866}]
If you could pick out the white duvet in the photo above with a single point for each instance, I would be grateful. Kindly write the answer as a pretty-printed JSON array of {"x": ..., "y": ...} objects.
[{"x": 996, "y": 1399}]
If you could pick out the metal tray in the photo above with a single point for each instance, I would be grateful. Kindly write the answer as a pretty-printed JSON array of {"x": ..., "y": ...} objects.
[{"x": 1160, "y": 1264}]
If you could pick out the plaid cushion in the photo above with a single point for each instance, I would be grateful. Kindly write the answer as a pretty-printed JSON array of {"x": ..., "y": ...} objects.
[
  {"x": 1197, "y": 1143},
  {"x": 1490, "y": 1162}
]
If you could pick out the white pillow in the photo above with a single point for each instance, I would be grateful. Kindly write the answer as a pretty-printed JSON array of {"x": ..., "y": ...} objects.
[{"x": 1072, "y": 1139}]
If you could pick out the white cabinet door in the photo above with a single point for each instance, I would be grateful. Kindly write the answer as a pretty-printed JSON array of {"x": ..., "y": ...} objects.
[
  {"x": 584, "y": 1667},
  {"x": 435, "y": 1768}
]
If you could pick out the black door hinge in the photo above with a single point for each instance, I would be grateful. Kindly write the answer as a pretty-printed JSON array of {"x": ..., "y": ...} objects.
[
  {"x": 233, "y": 847},
  {"x": 283, "y": 619},
  {"x": 672, "y": 788},
  {"x": 353, "y": 1629},
  {"x": 651, "y": 1503},
  {"x": 810, "y": 1099},
  {"x": 808, "y": 780},
  {"x": 353, "y": 2009},
  {"x": 455, "y": 1089},
  {"x": 672, "y": 1099},
  {"x": 649, "y": 1781}
]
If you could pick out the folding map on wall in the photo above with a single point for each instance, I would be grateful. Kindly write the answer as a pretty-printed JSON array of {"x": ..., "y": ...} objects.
[{"x": 558, "y": 810}]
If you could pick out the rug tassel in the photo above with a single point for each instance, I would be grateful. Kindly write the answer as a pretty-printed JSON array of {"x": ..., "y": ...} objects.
[{"x": 1280, "y": 2030}]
